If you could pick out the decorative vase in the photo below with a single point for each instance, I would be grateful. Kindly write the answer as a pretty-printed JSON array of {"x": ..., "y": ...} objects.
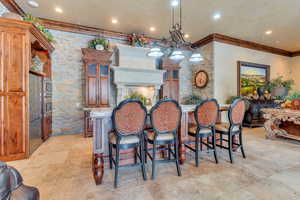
[
  {"x": 99, "y": 47},
  {"x": 260, "y": 91}
]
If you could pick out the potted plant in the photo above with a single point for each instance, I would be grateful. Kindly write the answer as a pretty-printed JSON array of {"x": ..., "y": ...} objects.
[
  {"x": 137, "y": 96},
  {"x": 292, "y": 101},
  {"x": 40, "y": 26},
  {"x": 279, "y": 87},
  {"x": 138, "y": 40},
  {"x": 192, "y": 100},
  {"x": 99, "y": 44}
]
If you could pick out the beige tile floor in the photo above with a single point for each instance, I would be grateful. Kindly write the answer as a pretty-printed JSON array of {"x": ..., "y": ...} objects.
[{"x": 61, "y": 169}]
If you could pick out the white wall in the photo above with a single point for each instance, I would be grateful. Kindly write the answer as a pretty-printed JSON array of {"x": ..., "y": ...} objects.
[
  {"x": 225, "y": 66},
  {"x": 295, "y": 67}
]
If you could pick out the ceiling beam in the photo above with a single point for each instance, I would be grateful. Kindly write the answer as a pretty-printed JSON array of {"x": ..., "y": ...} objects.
[
  {"x": 241, "y": 43},
  {"x": 296, "y": 53}
]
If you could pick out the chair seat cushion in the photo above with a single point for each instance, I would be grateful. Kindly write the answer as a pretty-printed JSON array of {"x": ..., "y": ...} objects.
[
  {"x": 204, "y": 131},
  {"x": 124, "y": 140},
  {"x": 224, "y": 127},
  {"x": 160, "y": 137}
]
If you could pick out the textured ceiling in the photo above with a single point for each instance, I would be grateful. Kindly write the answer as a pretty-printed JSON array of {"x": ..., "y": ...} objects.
[{"x": 243, "y": 19}]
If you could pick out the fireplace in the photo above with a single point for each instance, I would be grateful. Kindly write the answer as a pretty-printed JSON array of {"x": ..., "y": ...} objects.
[{"x": 137, "y": 73}]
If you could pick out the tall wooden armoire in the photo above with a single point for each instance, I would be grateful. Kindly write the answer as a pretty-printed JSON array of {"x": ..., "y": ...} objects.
[
  {"x": 16, "y": 42},
  {"x": 170, "y": 88},
  {"x": 97, "y": 80}
]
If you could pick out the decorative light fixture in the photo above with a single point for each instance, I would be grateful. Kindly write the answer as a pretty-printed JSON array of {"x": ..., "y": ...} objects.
[
  {"x": 155, "y": 52},
  {"x": 268, "y": 32},
  {"x": 33, "y": 4},
  {"x": 59, "y": 10},
  {"x": 176, "y": 44},
  {"x": 114, "y": 21},
  {"x": 196, "y": 57},
  {"x": 217, "y": 16}
]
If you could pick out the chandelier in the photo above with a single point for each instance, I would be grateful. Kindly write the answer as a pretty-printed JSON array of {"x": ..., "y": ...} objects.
[{"x": 175, "y": 45}]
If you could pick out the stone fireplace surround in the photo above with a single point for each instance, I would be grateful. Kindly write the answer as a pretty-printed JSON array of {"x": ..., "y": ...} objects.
[{"x": 136, "y": 71}]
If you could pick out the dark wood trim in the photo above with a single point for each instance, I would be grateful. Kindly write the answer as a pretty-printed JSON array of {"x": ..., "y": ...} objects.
[
  {"x": 240, "y": 63},
  {"x": 75, "y": 28},
  {"x": 296, "y": 53},
  {"x": 37, "y": 73},
  {"x": 242, "y": 43},
  {"x": 12, "y": 6}
]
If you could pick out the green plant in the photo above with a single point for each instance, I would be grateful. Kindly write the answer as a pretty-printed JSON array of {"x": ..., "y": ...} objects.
[
  {"x": 137, "y": 96},
  {"x": 40, "y": 26},
  {"x": 192, "y": 99},
  {"x": 279, "y": 82},
  {"x": 231, "y": 99},
  {"x": 98, "y": 41},
  {"x": 295, "y": 95}
]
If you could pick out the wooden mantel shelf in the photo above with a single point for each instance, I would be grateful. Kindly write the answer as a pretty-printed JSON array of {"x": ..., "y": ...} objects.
[{"x": 37, "y": 73}]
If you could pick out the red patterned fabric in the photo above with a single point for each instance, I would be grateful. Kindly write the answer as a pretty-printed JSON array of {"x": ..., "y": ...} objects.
[
  {"x": 208, "y": 113},
  {"x": 238, "y": 112},
  {"x": 166, "y": 117},
  {"x": 130, "y": 118}
]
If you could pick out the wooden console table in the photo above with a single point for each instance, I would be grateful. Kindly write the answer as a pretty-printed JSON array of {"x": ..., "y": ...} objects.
[{"x": 277, "y": 117}]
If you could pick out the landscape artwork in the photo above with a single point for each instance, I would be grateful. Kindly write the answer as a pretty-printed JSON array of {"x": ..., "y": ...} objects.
[{"x": 252, "y": 77}]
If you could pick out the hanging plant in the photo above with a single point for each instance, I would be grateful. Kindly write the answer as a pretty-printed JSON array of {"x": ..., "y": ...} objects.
[
  {"x": 35, "y": 21},
  {"x": 99, "y": 44}
]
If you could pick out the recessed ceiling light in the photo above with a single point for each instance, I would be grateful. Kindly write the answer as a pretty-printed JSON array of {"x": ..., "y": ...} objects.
[
  {"x": 152, "y": 29},
  {"x": 33, "y": 4},
  {"x": 186, "y": 35},
  {"x": 59, "y": 10},
  {"x": 217, "y": 16},
  {"x": 268, "y": 32},
  {"x": 174, "y": 3},
  {"x": 114, "y": 21}
]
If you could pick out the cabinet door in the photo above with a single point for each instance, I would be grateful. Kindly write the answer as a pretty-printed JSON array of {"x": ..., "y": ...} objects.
[
  {"x": 13, "y": 96},
  {"x": 104, "y": 85},
  {"x": 91, "y": 85}
]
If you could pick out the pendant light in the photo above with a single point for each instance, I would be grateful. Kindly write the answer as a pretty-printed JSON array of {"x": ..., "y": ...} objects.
[
  {"x": 177, "y": 55},
  {"x": 155, "y": 52},
  {"x": 196, "y": 57}
]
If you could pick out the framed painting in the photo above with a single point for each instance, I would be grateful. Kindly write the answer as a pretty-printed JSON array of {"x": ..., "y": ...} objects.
[{"x": 251, "y": 76}]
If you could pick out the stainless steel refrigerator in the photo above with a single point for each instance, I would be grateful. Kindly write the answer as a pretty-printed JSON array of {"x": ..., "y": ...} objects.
[{"x": 35, "y": 111}]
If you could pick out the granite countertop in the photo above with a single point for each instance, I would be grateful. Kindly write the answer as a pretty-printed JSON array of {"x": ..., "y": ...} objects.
[{"x": 106, "y": 112}]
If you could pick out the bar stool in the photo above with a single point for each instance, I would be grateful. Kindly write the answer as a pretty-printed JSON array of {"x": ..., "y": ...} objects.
[
  {"x": 165, "y": 118},
  {"x": 236, "y": 114},
  {"x": 206, "y": 115},
  {"x": 128, "y": 120}
]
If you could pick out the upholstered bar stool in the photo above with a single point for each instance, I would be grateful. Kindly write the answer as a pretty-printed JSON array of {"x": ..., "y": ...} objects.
[
  {"x": 233, "y": 128},
  {"x": 128, "y": 119},
  {"x": 206, "y": 115},
  {"x": 165, "y": 119}
]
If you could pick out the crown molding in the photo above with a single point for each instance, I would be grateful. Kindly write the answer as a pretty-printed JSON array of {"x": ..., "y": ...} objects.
[
  {"x": 12, "y": 6},
  {"x": 75, "y": 28},
  {"x": 241, "y": 43}
]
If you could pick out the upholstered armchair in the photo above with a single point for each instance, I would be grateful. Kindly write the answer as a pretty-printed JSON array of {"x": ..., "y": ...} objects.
[{"x": 11, "y": 185}]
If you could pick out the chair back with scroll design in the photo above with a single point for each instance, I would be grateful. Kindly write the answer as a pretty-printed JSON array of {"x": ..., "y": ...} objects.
[
  {"x": 129, "y": 118},
  {"x": 206, "y": 113},
  {"x": 166, "y": 116},
  {"x": 236, "y": 112}
]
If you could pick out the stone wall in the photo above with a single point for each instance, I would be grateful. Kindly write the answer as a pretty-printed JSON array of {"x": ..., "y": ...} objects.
[{"x": 208, "y": 66}]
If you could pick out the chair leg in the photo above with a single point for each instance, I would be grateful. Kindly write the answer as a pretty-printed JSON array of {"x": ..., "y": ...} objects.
[
  {"x": 230, "y": 147},
  {"x": 142, "y": 154},
  {"x": 110, "y": 155},
  {"x": 201, "y": 143},
  {"x": 117, "y": 166},
  {"x": 135, "y": 155},
  {"x": 153, "y": 161},
  {"x": 169, "y": 152},
  {"x": 221, "y": 140},
  {"x": 215, "y": 148},
  {"x": 146, "y": 149},
  {"x": 242, "y": 146},
  {"x": 177, "y": 157},
  {"x": 197, "y": 151}
]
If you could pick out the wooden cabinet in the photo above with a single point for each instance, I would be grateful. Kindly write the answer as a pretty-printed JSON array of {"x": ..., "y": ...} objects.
[
  {"x": 16, "y": 38},
  {"x": 170, "y": 88},
  {"x": 97, "y": 82}
]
